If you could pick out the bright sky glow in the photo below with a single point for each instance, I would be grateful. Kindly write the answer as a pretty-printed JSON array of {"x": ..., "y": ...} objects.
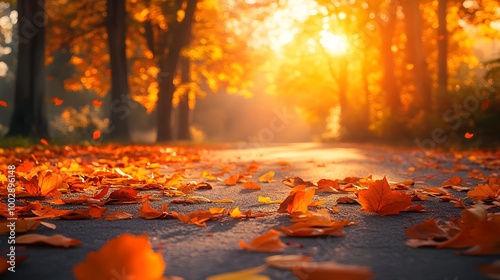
[
  {"x": 281, "y": 28},
  {"x": 334, "y": 43}
]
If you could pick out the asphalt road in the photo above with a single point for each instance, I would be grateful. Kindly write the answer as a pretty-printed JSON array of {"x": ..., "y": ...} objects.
[{"x": 196, "y": 252}]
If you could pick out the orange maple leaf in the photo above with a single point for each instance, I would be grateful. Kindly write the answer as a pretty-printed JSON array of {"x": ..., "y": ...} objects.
[
  {"x": 453, "y": 181},
  {"x": 297, "y": 201},
  {"x": 125, "y": 253},
  {"x": 484, "y": 192},
  {"x": 331, "y": 270},
  {"x": 479, "y": 233},
  {"x": 379, "y": 198},
  {"x": 468, "y": 135},
  {"x": 44, "y": 183},
  {"x": 267, "y": 242},
  {"x": 3, "y": 103}
]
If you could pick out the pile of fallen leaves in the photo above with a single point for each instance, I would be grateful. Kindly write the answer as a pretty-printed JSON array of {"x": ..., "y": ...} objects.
[{"x": 48, "y": 178}]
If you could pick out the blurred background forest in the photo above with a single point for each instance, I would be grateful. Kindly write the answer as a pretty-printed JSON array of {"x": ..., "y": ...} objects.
[{"x": 408, "y": 71}]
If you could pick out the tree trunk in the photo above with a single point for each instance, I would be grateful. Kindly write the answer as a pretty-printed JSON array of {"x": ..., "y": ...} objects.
[
  {"x": 416, "y": 56},
  {"x": 184, "y": 113},
  {"x": 442, "y": 55},
  {"x": 29, "y": 116},
  {"x": 120, "y": 104},
  {"x": 389, "y": 85},
  {"x": 168, "y": 66},
  {"x": 343, "y": 102}
]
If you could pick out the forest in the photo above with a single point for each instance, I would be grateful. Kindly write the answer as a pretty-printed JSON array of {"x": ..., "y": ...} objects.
[{"x": 418, "y": 72}]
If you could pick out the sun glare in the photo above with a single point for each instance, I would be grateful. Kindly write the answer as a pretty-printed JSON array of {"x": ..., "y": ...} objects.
[{"x": 334, "y": 43}]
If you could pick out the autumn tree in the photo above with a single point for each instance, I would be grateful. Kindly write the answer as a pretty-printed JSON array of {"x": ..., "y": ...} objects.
[
  {"x": 116, "y": 30},
  {"x": 29, "y": 116}
]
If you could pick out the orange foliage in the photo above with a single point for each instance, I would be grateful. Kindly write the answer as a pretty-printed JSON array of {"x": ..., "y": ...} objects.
[
  {"x": 379, "y": 198},
  {"x": 267, "y": 242},
  {"x": 126, "y": 252},
  {"x": 297, "y": 201}
]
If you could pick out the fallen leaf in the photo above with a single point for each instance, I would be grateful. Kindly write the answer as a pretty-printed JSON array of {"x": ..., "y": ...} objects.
[
  {"x": 298, "y": 200},
  {"x": 21, "y": 225},
  {"x": 468, "y": 135},
  {"x": 484, "y": 192},
  {"x": 129, "y": 253},
  {"x": 328, "y": 185},
  {"x": 479, "y": 233},
  {"x": 267, "y": 242},
  {"x": 379, "y": 198},
  {"x": 3, "y": 103},
  {"x": 245, "y": 274},
  {"x": 267, "y": 200},
  {"x": 198, "y": 217},
  {"x": 251, "y": 186},
  {"x": 287, "y": 261},
  {"x": 118, "y": 215},
  {"x": 57, "y": 240},
  {"x": 428, "y": 229},
  {"x": 48, "y": 182},
  {"x": 296, "y": 181},
  {"x": 331, "y": 270},
  {"x": 147, "y": 212},
  {"x": 45, "y": 142},
  {"x": 434, "y": 191},
  {"x": 237, "y": 214},
  {"x": 267, "y": 177},
  {"x": 453, "y": 181}
]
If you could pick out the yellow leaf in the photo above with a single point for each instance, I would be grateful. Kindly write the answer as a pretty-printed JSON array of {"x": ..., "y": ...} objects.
[
  {"x": 267, "y": 177},
  {"x": 267, "y": 200}
]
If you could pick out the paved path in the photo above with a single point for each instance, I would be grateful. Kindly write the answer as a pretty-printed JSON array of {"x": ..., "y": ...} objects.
[{"x": 196, "y": 252}]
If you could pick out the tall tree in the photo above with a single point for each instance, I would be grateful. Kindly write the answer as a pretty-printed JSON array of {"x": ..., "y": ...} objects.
[
  {"x": 184, "y": 112},
  {"x": 116, "y": 29},
  {"x": 389, "y": 81},
  {"x": 415, "y": 54},
  {"x": 442, "y": 35},
  {"x": 168, "y": 66},
  {"x": 29, "y": 117}
]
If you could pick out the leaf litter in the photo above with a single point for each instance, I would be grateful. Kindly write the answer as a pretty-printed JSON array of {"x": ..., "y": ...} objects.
[{"x": 92, "y": 177}]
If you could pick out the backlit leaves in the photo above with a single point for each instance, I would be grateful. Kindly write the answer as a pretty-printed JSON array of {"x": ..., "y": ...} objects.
[
  {"x": 300, "y": 197},
  {"x": 267, "y": 242},
  {"x": 379, "y": 198},
  {"x": 476, "y": 230}
]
